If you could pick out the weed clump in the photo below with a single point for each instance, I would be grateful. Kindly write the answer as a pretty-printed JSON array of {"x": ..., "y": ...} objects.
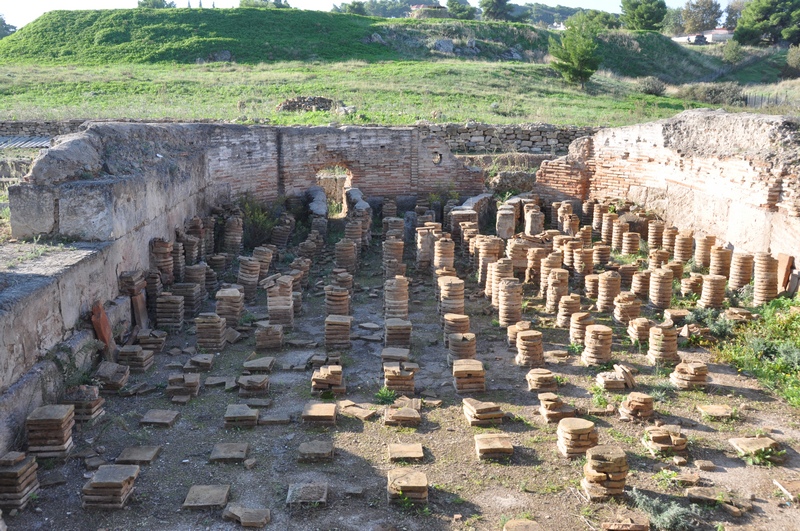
[
  {"x": 714, "y": 93},
  {"x": 769, "y": 348},
  {"x": 652, "y": 85},
  {"x": 258, "y": 222},
  {"x": 385, "y": 396},
  {"x": 667, "y": 515}
]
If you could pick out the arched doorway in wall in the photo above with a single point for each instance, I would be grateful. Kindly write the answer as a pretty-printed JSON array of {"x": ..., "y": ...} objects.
[{"x": 335, "y": 179}]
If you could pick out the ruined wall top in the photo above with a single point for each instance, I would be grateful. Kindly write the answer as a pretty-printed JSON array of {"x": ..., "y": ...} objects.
[{"x": 714, "y": 133}]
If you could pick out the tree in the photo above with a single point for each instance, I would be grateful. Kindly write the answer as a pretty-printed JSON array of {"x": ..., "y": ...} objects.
[
  {"x": 278, "y": 4},
  {"x": 673, "y": 22},
  {"x": 6, "y": 29},
  {"x": 701, "y": 15},
  {"x": 549, "y": 15},
  {"x": 461, "y": 10},
  {"x": 355, "y": 8},
  {"x": 156, "y": 4},
  {"x": 495, "y": 9},
  {"x": 769, "y": 20},
  {"x": 576, "y": 54},
  {"x": 643, "y": 14},
  {"x": 733, "y": 12},
  {"x": 603, "y": 19}
]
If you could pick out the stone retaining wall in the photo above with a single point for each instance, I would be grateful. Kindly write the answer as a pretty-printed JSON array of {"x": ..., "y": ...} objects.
[
  {"x": 46, "y": 128},
  {"x": 470, "y": 137},
  {"x": 474, "y": 137}
]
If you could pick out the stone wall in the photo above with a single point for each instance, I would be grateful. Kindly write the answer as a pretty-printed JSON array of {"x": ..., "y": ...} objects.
[
  {"x": 43, "y": 335},
  {"x": 46, "y": 128},
  {"x": 470, "y": 137},
  {"x": 474, "y": 137},
  {"x": 731, "y": 175}
]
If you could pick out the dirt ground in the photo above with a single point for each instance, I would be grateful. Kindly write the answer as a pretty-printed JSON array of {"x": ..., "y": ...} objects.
[{"x": 464, "y": 493}]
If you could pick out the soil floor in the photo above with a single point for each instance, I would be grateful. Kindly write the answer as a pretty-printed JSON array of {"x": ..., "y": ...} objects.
[{"x": 464, "y": 493}]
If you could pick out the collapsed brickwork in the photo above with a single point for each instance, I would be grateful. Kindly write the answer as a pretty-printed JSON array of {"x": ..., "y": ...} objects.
[{"x": 731, "y": 175}]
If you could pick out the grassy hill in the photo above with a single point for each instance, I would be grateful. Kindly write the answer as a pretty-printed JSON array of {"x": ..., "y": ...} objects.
[
  {"x": 252, "y": 36},
  {"x": 143, "y": 64},
  {"x": 648, "y": 53}
]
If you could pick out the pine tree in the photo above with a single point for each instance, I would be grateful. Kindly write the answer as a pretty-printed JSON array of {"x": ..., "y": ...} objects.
[
  {"x": 643, "y": 14},
  {"x": 576, "y": 54},
  {"x": 769, "y": 20},
  {"x": 495, "y": 9},
  {"x": 458, "y": 10}
]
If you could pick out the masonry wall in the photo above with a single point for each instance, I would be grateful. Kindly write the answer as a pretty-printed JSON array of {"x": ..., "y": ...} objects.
[
  {"x": 470, "y": 137},
  {"x": 31, "y": 128},
  {"x": 474, "y": 137},
  {"x": 731, "y": 175},
  {"x": 42, "y": 334}
]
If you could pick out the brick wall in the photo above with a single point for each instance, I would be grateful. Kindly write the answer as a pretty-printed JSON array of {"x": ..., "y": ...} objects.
[
  {"x": 731, "y": 175},
  {"x": 116, "y": 178}
]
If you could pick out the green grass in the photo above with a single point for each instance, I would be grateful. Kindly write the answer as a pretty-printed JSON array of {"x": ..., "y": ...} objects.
[
  {"x": 141, "y": 64},
  {"x": 769, "y": 348},
  {"x": 389, "y": 93},
  {"x": 183, "y": 35},
  {"x": 767, "y": 70},
  {"x": 648, "y": 53}
]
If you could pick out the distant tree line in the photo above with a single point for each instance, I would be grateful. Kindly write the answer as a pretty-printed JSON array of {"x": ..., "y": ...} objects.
[
  {"x": 381, "y": 8},
  {"x": 753, "y": 21}
]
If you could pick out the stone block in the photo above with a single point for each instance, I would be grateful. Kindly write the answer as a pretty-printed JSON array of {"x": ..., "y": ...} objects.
[{"x": 32, "y": 210}]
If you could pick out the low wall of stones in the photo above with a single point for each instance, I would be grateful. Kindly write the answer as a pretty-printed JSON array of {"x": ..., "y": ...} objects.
[
  {"x": 45, "y": 128},
  {"x": 474, "y": 137},
  {"x": 470, "y": 137},
  {"x": 735, "y": 176}
]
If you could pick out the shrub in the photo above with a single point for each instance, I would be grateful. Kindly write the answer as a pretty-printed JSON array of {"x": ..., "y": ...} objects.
[
  {"x": 652, "y": 85},
  {"x": 722, "y": 327},
  {"x": 714, "y": 93},
  {"x": 257, "y": 221},
  {"x": 732, "y": 52},
  {"x": 793, "y": 60}
]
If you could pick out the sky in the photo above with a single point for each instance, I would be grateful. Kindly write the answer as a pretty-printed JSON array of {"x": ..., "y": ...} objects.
[{"x": 18, "y": 13}]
